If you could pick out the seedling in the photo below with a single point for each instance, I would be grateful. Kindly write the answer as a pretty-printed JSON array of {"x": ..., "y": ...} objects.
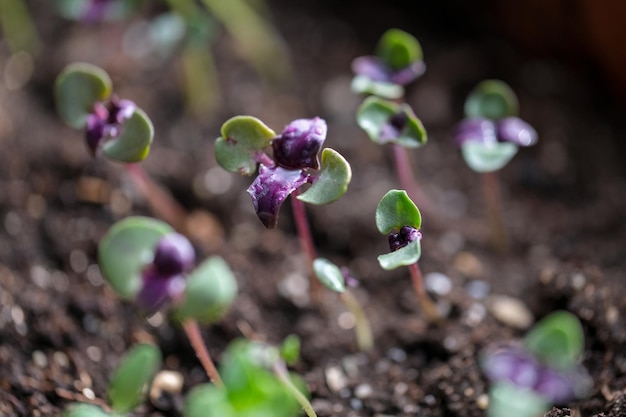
[
  {"x": 398, "y": 63},
  {"x": 334, "y": 278},
  {"x": 127, "y": 387},
  {"x": 144, "y": 260},
  {"x": 114, "y": 128},
  {"x": 294, "y": 162},
  {"x": 399, "y": 218},
  {"x": 489, "y": 138},
  {"x": 544, "y": 370},
  {"x": 256, "y": 384}
]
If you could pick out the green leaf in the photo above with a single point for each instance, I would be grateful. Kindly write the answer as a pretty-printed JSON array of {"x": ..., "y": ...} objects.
[
  {"x": 211, "y": 289},
  {"x": 134, "y": 143},
  {"x": 242, "y": 137},
  {"x": 375, "y": 112},
  {"x": 399, "y": 49},
  {"x": 364, "y": 85},
  {"x": 557, "y": 340},
  {"x": 85, "y": 410},
  {"x": 329, "y": 274},
  {"x": 395, "y": 210},
  {"x": 405, "y": 256},
  {"x": 130, "y": 378},
  {"x": 334, "y": 176},
  {"x": 126, "y": 249},
  {"x": 208, "y": 400},
  {"x": 290, "y": 349},
  {"x": 77, "y": 88},
  {"x": 506, "y": 399},
  {"x": 488, "y": 158},
  {"x": 492, "y": 99}
]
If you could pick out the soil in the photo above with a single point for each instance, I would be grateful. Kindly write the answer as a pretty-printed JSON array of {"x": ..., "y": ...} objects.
[{"x": 62, "y": 329}]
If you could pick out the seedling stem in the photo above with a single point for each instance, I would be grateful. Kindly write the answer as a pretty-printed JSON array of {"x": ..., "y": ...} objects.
[{"x": 192, "y": 330}]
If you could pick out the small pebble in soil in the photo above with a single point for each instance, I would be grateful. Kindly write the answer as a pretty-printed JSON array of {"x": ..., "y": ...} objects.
[
  {"x": 396, "y": 354},
  {"x": 61, "y": 359},
  {"x": 94, "y": 353},
  {"x": 165, "y": 386},
  {"x": 477, "y": 289},
  {"x": 346, "y": 320},
  {"x": 510, "y": 311},
  {"x": 400, "y": 389},
  {"x": 94, "y": 276},
  {"x": 363, "y": 391},
  {"x": 451, "y": 242},
  {"x": 40, "y": 276},
  {"x": 40, "y": 359},
  {"x": 352, "y": 363},
  {"x": 335, "y": 378},
  {"x": 438, "y": 283},
  {"x": 356, "y": 404},
  {"x": 475, "y": 313},
  {"x": 482, "y": 401},
  {"x": 469, "y": 265}
]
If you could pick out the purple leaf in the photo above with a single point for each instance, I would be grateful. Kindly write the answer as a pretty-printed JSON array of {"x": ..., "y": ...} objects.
[
  {"x": 106, "y": 120},
  {"x": 409, "y": 74},
  {"x": 513, "y": 365},
  {"x": 515, "y": 130},
  {"x": 299, "y": 144},
  {"x": 173, "y": 255},
  {"x": 373, "y": 68},
  {"x": 406, "y": 235},
  {"x": 475, "y": 130},
  {"x": 157, "y": 289},
  {"x": 270, "y": 188}
]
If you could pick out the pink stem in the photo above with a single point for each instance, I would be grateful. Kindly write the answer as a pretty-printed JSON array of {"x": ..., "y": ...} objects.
[
  {"x": 306, "y": 240},
  {"x": 493, "y": 204},
  {"x": 195, "y": 338},
  {"x": 406, "y": 176},
  {"x": 418, "y": 285}
]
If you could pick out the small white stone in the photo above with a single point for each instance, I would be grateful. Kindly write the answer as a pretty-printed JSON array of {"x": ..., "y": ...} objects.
[
  {"x": 438, "y": 283},
  {"x": 363, "y": 391},
  {"x": 335, "y": 378},
  {"x": 510, "y": 311}
]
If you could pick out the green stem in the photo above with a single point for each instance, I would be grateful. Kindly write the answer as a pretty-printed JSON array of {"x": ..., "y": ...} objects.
[
  {"x": 428, "y": 306},
  {"x": 363, "y": 330},
  {"x": 493, "y": 204},
  {"x": 192, "y": 330},
  {"x": 306, "y": 240},
  {"x": 280, "y": 370}
]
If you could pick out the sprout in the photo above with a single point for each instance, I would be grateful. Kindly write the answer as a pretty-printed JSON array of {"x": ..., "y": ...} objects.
[{"x": 543, "y": 371}]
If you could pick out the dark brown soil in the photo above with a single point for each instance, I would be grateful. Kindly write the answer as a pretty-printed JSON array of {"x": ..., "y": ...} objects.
[{"x": 62, "y": 330}]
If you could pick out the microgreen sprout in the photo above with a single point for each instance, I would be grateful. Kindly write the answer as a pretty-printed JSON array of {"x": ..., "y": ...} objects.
[
  {"x": 543, "y": 370},
  {"x": 337, "y": 279},
  {"x": 256, "y": 384},
  {"x": 398, "y": 63},
  {"x": 146, "y": 261},
  {"x": 293, "y": 162},
  {"x": 127, "y": 387},
  {"x": 489, "y": 137},
  {"x": 114, "y": 128},
  {"x": 399, "y": 218}
]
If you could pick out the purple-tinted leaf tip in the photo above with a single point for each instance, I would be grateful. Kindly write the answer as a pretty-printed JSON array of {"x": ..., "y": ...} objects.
[
  {"x": 105, "y": 121},
  {"x": 515, "y": 130},
  {"x": 94, "y": 132},
  {"x": 557, "y": 387},
  {"x": 475, "y": 130},
  {"x": 376, "y": 69},
  {"x": 120, "y": 110},
  {"x": 299, "y": 144},
  {"x": 270, "y": 188},
  {"x": 409, "y": 74},
  {"x": 512, "y": 365},
  {"x": 393, "y": 128},
  {"x": 173, "y": 255},
  {"x": 406, "y": 235},
  {"x": 157, "y": 289}
]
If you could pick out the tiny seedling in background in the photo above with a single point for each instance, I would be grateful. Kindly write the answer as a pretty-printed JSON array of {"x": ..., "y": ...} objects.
[
  {"x": 256, "y": 384},
  {"x": 146, "y": 261},
  {"x": 544, "y": 370},
  {"x": 246, "y": 143},
  {"x": 399, "y": 218},
  {"x": 333, "y": 278},
  {"x": 127, "y": 387},
  {"x": 489, "y": 137},
  {"x": 114, "y": 128},
  {"x": 399, "y": 61}
]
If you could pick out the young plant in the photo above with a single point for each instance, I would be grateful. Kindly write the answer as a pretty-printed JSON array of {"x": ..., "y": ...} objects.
[
  {"x": 256, "y": 384},
  {"x": 399, "y": 218},
  {"x": 114, "y": 128},
  {"x": 334, "y": 278},
  {"x": 489, "y": 137},
  {"x": 398, "y": 62},
  {"x": 146, "y": 261},
  {"x": 293, "y": 162},
  {"x": 544, "y": 370},
  {"x": 127, "y": 387}
]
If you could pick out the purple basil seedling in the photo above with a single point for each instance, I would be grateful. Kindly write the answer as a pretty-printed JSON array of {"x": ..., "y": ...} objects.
[
  {"x": 399, "y": 218},
  {"x": 127, "y": 385},
  {"x": 489, "y": 137},
  {"x": 334, "y": 278},
  {"x": 544, "y": 370},
  {"x": 146, "y": 261},
  {"x": 286, "y": 163}
]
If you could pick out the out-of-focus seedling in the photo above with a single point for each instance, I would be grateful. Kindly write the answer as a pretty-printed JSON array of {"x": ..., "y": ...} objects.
[
  {"x": 256, "y": 384},
  {"x": 146, "y": 261},
  {"x": 334, "y": 278},
  {"x": 127, "y": 387},
  {"x": 398, "y": 62},
  {"x": 96, "y": 11},
  {"x": 543, "y": 370},
  {"x": 399, "y": 218},
  {"x": 113, "y": 127},
  {"x": 489, "y": 137},
  {"x": 293, "y": 162}
]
